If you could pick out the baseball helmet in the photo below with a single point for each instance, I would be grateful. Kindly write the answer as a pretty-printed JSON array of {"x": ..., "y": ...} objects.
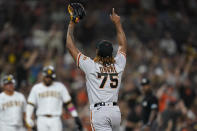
[
  {"x": 105, "y": 48},
  {"x": 145, "y": 81},
  {"x": 49, "y": 71},
  {"x": 8, "y": 79}
]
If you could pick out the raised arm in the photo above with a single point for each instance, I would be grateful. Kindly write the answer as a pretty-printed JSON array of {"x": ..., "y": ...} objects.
[
  {"x": 70, "y": 43},
  {"x": 120, "y": 33}
]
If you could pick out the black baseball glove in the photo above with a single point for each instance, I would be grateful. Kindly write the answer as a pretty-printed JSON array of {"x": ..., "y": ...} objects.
[
  {"x": 79, "y": 124},
  {"x": 76, "y": 11}
]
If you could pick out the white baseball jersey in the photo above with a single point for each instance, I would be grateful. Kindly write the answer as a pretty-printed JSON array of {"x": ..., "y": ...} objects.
[
  {"x": 12, "y": 109},
  {"x": 49, "y": 100},
  {"x": 102, "y": 83}
]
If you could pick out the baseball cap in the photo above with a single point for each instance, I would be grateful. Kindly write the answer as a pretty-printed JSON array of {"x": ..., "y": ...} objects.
[
  {"x": 49, "y": 71},
  {"x": 145, "y": 81},
  {"x": 105, "y": 48},
  {"x": 8, "y": 79}
]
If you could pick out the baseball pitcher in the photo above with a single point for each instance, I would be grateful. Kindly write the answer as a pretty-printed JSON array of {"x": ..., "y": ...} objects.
[
  {"x": 48, "y": 97},
  {"x": 103, "y": 74},
  {"x": 12, "y": 106}
]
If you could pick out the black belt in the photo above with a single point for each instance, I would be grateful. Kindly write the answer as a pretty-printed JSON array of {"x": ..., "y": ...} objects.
[
  {"x": 105, "y": 104},
  {"x": 50, "y": 115}
]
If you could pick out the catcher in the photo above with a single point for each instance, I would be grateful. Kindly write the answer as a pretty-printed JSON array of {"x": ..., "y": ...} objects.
[{"x": 103, "y": 74}]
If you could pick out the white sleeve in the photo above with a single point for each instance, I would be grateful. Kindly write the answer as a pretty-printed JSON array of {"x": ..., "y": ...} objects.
[
  {"x": 29, "y": 113},
  {"x": 65, "y": 95},
  {"x": 24, "y": 103},
  {"x": 31, "y": 102},
  {"x": 121, "y": 60},
  {"x": 32, "y": 97},
  {"x": 84, "y": 63},
  {"x": 0, "y": 106}
]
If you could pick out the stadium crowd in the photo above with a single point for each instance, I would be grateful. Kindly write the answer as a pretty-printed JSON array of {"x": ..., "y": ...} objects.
[{"x": 161, "y": 38}]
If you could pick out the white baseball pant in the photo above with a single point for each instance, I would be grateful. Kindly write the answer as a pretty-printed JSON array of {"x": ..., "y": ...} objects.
[
  {"x": 11, "y": 128},
  {"x": 49, "y": 123}
]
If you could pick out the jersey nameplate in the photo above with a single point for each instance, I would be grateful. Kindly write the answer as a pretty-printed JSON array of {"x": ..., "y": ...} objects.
[
  {"x": 11, "y": 104},
  {"x": 109, "y": 69},
  {"x": 49, "y": 94}
]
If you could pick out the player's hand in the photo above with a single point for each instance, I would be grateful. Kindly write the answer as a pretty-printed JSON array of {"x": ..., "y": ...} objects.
[
  {"x": 29, "y": 123},
  {"x": 29, "y": 129},
  {"x": 115, "y": 18}
]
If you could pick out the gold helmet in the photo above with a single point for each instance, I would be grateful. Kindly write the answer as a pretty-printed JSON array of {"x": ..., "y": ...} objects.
[
  {"x": 8, "y": 79},
  {"x": 49, "y": 71}
]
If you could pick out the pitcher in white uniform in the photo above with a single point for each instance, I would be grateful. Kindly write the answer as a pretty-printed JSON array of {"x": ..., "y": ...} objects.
[
  {"x": 12, "y": 106},
  {"x": 48, "y": 98},
  {"x": 103, "y": 77}
]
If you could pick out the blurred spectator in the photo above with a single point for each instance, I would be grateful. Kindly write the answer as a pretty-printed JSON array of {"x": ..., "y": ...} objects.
[
  {"x": 166, "y": 95},
  {"x": 171, "y": 115},
  {"x": 134, "y": 119},
  {"x": 147, "y": 4},
  {"x": 187, "y": 93},
  {"x": 130, "y": 5},
  {"x": 39, "y": 36},
  {"x": 55, "y": 38},
  {"x": 168, "y": 44},
  {"x": 23, "y": 67}
]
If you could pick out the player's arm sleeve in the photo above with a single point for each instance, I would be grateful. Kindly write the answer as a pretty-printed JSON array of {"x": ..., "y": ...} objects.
[
  {"x": 0, "y": 106},
  {"x": 31, "y": 102},
  {"x": 24, "y": 103},
  {"x": 65, "y": 95},
  {"x": 154, "y": 104},
  {"x": 32, "y": 97},
  {"x": 29, "y": 112},
  {"x": 84, "y": 63},
  {"x": 120, "y": 59},
  {"x": 68, "y": 103}
]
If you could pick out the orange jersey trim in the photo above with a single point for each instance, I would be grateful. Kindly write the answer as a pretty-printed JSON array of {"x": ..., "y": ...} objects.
[
  {"x": 78, "y": 57},
  {"x": 91, "y": 122},
  {"x": 122, "y": 53}
]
